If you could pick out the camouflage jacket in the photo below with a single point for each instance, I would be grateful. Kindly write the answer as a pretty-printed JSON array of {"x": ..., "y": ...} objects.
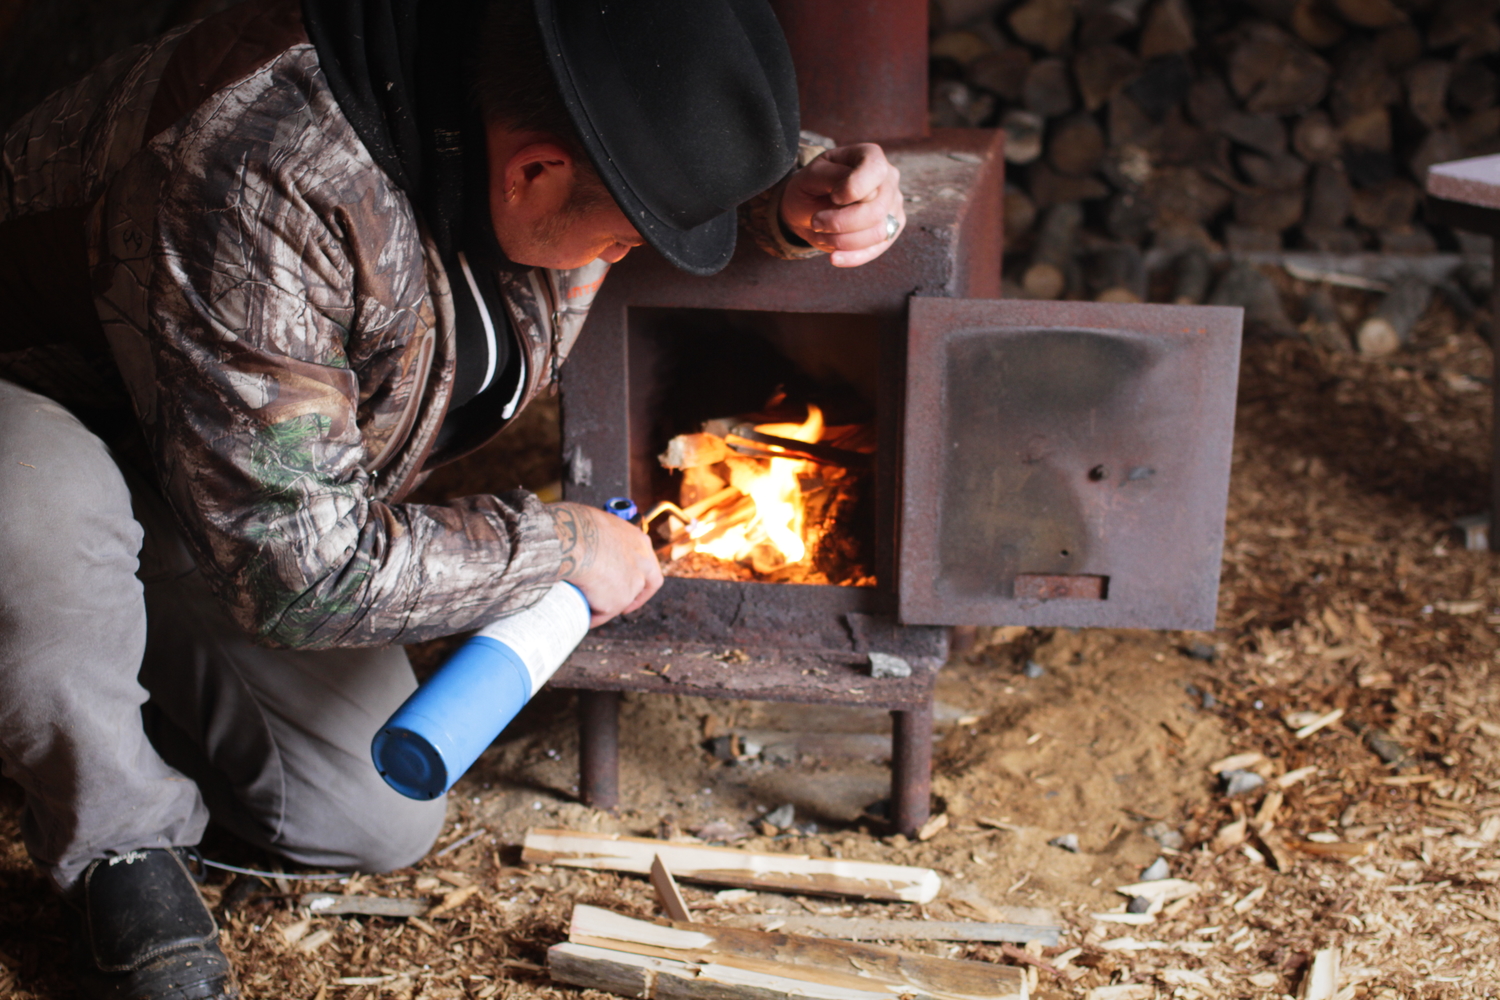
[{"x": 284, "y": 330}]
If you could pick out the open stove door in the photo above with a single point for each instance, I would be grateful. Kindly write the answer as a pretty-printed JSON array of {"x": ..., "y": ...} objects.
[{"x": 1065, "y": 463}]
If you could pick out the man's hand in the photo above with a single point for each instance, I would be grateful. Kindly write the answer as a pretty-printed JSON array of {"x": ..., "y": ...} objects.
[
  {"x": 609, "y": 559},
  {"x": 840, "y": 203}
]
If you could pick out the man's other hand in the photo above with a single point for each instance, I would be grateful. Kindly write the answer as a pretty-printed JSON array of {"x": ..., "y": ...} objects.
[
  {"x": 840, "y": 203},
  {"x": 609, "y": 559}
]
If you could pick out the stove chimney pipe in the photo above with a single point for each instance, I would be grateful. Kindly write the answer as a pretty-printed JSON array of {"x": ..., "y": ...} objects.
[{"x": 861, "y": 66}]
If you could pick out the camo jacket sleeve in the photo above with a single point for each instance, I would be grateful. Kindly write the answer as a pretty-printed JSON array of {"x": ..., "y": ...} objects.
[
  {"x": 760, "y": 217},
  {"x": 268, "y": 296}
]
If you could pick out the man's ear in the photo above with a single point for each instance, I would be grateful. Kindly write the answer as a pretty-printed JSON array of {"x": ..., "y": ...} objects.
[{"x": 537, "y": 177}]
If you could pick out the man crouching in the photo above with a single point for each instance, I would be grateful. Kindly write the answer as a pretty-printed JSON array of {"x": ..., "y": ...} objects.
[{"x": 261, "y": 276}]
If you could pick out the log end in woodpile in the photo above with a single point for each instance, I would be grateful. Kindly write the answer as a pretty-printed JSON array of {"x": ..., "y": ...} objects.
[{"x": 1390, "y": 327}]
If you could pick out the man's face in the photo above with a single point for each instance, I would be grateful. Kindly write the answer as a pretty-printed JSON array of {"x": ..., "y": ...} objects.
[
  {"x": 547, "y": 210},
  {"x": 587, "y": 228}
]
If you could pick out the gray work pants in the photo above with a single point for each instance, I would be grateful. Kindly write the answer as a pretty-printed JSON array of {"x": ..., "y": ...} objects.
[{"x": 132, "y": 708}]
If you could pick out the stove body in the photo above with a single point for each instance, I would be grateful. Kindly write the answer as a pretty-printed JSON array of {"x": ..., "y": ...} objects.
[{"x": 1038, "y": 463}]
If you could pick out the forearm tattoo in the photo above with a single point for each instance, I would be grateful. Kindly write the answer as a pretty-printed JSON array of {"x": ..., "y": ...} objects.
[{"x": 579, "y": 537}]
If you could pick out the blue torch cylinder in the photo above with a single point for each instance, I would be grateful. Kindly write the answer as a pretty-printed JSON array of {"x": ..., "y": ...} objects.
[{"x": 440, "y": 731}]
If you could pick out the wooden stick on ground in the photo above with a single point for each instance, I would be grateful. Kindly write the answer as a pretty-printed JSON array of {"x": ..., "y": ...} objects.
[
  {"x": 1321, "y": 981},
  {"x": 628, "y": 975},
  {"x": 667, "y": 892},
  {"x": 875, "y": 929},
  {"x": 728, "y": 866},
  {"x": 326, "y": 904},
  {"x": 1021, "y": 955},
  {"x": 729, "y": 960}
]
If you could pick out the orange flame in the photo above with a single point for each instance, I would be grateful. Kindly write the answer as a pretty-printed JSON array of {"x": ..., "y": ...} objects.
[{"x": 769, "y": 529}]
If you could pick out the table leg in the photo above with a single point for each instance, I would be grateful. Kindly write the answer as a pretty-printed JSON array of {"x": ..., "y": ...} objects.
[
  {"x": 1495, "y": 412},
  {"x": 599, "y": 748},
  {"x": 911, "y": 768}
]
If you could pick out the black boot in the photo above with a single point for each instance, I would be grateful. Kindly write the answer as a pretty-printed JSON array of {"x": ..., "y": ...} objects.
[{"x": 144, "y": 933}]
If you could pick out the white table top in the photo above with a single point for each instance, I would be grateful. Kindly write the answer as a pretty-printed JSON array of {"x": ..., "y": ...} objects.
[{"x": 1474, "y": 181}]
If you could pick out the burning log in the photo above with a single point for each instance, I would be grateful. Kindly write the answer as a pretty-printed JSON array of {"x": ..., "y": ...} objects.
[
  {"x": 689, "y": 516},
  {"x": 690, "y": 451},
  {"x": 711, "y": 523},
  {"x": 764, "y": 501}
]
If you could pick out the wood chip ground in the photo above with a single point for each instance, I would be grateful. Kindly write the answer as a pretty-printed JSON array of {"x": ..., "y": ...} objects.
[{"x": 1344, "y": 587}]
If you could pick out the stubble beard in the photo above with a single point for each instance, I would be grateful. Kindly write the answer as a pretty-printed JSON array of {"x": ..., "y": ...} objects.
[{"x": 587, "y": 196}]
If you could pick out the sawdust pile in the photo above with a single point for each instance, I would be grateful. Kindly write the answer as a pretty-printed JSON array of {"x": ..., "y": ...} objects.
[{"x": 1347, "y": 599}]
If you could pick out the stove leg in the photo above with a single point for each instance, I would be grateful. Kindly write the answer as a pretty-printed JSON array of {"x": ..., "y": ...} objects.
[
  {"x": 911, "y": 768},
  {"x": 599, "y": 748}
]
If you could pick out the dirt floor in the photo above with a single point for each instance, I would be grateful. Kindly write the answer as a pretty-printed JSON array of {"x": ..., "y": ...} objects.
[{"x": 1345, "y": 588}]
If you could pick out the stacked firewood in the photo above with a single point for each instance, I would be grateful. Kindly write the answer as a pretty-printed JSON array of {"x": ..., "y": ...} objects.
[{"x": 1262, "y": 125}]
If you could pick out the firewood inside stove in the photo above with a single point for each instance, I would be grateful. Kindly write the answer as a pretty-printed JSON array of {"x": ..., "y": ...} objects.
[{"x": 735, "y": 474}]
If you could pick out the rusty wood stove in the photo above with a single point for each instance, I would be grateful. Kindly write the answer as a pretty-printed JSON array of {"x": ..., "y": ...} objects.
[{"x": 1036, "y": 463}]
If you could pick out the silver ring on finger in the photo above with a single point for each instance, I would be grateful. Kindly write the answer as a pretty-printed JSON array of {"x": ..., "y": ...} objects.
[{"x": 892, "y": 227}]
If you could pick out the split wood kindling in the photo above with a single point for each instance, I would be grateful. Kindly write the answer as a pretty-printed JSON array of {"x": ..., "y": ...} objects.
[
  {"x": 640, "y": 958},
  {"x": 879, "y": 929},
  {"x": 796, "y": 873}
]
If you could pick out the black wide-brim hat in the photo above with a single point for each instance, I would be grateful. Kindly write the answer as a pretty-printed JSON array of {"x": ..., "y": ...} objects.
[{"x": 687, "y": 108}]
